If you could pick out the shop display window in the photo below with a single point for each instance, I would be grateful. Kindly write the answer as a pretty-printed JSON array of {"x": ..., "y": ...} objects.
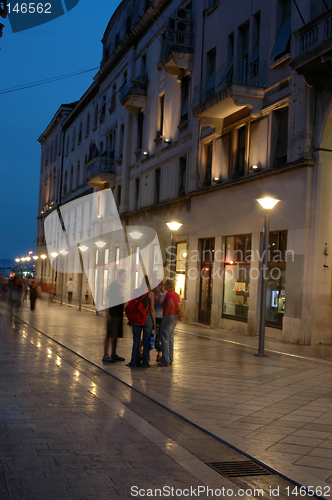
[{"x": 237, "y": 277}]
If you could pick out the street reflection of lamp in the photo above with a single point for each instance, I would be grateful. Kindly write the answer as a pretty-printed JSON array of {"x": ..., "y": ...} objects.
[
  {"x": 173, "y": 226},
  {"x": 136, "y": 235},
  {"x": 100, "y": 244},
  {"x": 267, "y": 203}
]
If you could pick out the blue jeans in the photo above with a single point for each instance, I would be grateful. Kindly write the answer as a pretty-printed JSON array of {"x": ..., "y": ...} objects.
[
  {"x": 147, "y": 330},
  {"x": 167, "y": 328}
]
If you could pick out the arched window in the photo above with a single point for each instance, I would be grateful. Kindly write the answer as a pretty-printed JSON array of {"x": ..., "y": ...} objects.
[
  {"x": 73, "y": 141},
  {"x": 95, "y": 122},
  {"x": 87, "y": 131},
  {"x": 78, "y": 168}
]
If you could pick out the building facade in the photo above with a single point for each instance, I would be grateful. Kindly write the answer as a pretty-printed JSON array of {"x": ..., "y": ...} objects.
[{"x": 200, "y": 108}]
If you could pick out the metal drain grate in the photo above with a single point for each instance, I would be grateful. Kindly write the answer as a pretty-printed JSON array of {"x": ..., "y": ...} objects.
[{"x": 235, "y": 469}]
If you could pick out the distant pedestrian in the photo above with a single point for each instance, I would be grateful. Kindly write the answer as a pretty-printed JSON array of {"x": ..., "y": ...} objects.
[
  {"x": 33, "y": 295},
  {"x": 114, "y": 328},
  {"x": 70, "y": 289},
  {"x": 168, "y": 324}
]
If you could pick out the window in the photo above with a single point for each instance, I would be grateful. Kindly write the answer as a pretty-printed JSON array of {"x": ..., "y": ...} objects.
[
  {"x": 65, "y": 183},
  {"x": 47, "y": 155},
  {"x": 161, "y": 105},
  {"x": 157, "y": 185},
  {"x": 237, "y": 277},
  {"x": 67, "y": 147},
  {"x": 95, "y": 120},
  {"x": 113, "y": 99},
  {"x": 128, "y": 25},
  {"x": 140, "y": 122},
  {"x": 319, "y": 6},
  {"x": 279, "y": 137},
  {"x": 110, "y": 144},
  {"x": 282, "y": 44},
  {"x": 71, "y": 178},
  {"x": 121, "y": 140},
  {"x": 210, "y": 70},
  {"x": 51, "y": 157},
  {"x": 240, "y": 155},
  {"x": 124, "y": 77},
  {"x": 276, "y": 289},
  {"x": 80, "y": 133},
  {"x": 103, "y": 108},
  {"x": 117, "y": 40},
  {"x": 182, "y": 174},
  {"x": 56, "y": 146},
  {"x": 137, "y": 194},
  {"x": 184, "y": 98},
  {"x": 87, "y": 128},
  {"x": 78, "y": 172},
  {"x": 73, "y": 140},
  {"x": 208, "y": 164},
  {"x": 119, "y": 196},
  {"x": 255, "y": 44}
]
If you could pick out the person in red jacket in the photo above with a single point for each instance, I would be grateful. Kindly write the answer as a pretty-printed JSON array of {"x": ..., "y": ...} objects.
[{"x": 168, "y": 323}]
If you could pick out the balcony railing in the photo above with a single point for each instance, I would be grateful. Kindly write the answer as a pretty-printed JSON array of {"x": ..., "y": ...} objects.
[
  {"x": 235, "y": 72},
  {"x": 133, "y": 88},
  {"x": 100, "y": 166},
  {"x": 314, "y": 33},
  {"x": 177, "y": 41}
]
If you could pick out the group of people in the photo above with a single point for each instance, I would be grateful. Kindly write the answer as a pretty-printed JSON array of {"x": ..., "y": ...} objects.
[
  {"x": 161, "y": 307},
  {"x": 16, "y": 290}
]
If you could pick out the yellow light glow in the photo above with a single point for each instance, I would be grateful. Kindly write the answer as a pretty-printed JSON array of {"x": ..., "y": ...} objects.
[
  {"x": 43, "y": 256},
  {"x": 35, "y": 257},
  {"x": 17, "y": 260},
  {"x": 28, "y": 258},
  {"x": 174, "y": 226},
  {"x": 23, "y": 259},
  {"x": 64, "y": 252},
  {"x": 83, "y": 248},
  {"x": 136, "y": 235},
  {"x": 100, "y": 244},
  {"x": 267, "y": 203},
  {"x": 54, "y": 254}
]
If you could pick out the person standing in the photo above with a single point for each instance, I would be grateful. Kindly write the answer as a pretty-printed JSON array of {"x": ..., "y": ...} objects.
[
  {"x": 147, "y": 300},
  {"x": 159, "y": 296},
  {"x": 114, "y": 328},
  {"x": 168, "y": 324},
  {"x": 70, "y": 289},
  {"x": 33, "y": 295}
]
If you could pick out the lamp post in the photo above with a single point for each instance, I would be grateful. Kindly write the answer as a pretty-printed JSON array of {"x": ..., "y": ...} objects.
[
  {"x": 35, "y": 258},
  {"x": 17, "y": 262},
  {"x": 22, "y": 260},
  {"x": 43, "y": 257},
  {"x": 81, "y": 248},
  {"x": 28, "y": 260},
  {"x": 63, "y": 253},
  {"x": 173, "y": 226},
  {"x": 267, "y": 203}
]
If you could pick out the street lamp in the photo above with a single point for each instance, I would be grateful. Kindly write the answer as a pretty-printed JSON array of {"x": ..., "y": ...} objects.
[
  {"x": 173, "y": 226},
  {"x": 28, "y": 260},
  {"x": 22, "y": 260},
  {"x": 267, "y": 203}
]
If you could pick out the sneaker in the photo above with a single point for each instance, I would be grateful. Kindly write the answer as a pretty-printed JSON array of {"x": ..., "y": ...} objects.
[{"x": 107, "y": 359}]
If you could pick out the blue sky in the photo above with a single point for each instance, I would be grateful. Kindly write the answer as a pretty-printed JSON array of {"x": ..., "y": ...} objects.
[{"x": 68, "y": 44}]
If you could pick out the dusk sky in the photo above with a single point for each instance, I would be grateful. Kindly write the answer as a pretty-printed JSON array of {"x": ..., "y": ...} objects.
[{"x": 66, "y": 45}]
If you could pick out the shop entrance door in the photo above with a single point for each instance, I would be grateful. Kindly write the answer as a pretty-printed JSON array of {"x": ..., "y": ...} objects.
[{"x": 206, "y": 280}]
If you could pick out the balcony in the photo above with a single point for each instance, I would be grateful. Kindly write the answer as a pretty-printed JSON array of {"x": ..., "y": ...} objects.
[
  {"x": 313, "y": 51},
  {"x": 100, "y": 172},
  {"x": 235, "y": 85},
  {"x": 133, "y": 94},
  {"x": 177, "y": 54}
]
